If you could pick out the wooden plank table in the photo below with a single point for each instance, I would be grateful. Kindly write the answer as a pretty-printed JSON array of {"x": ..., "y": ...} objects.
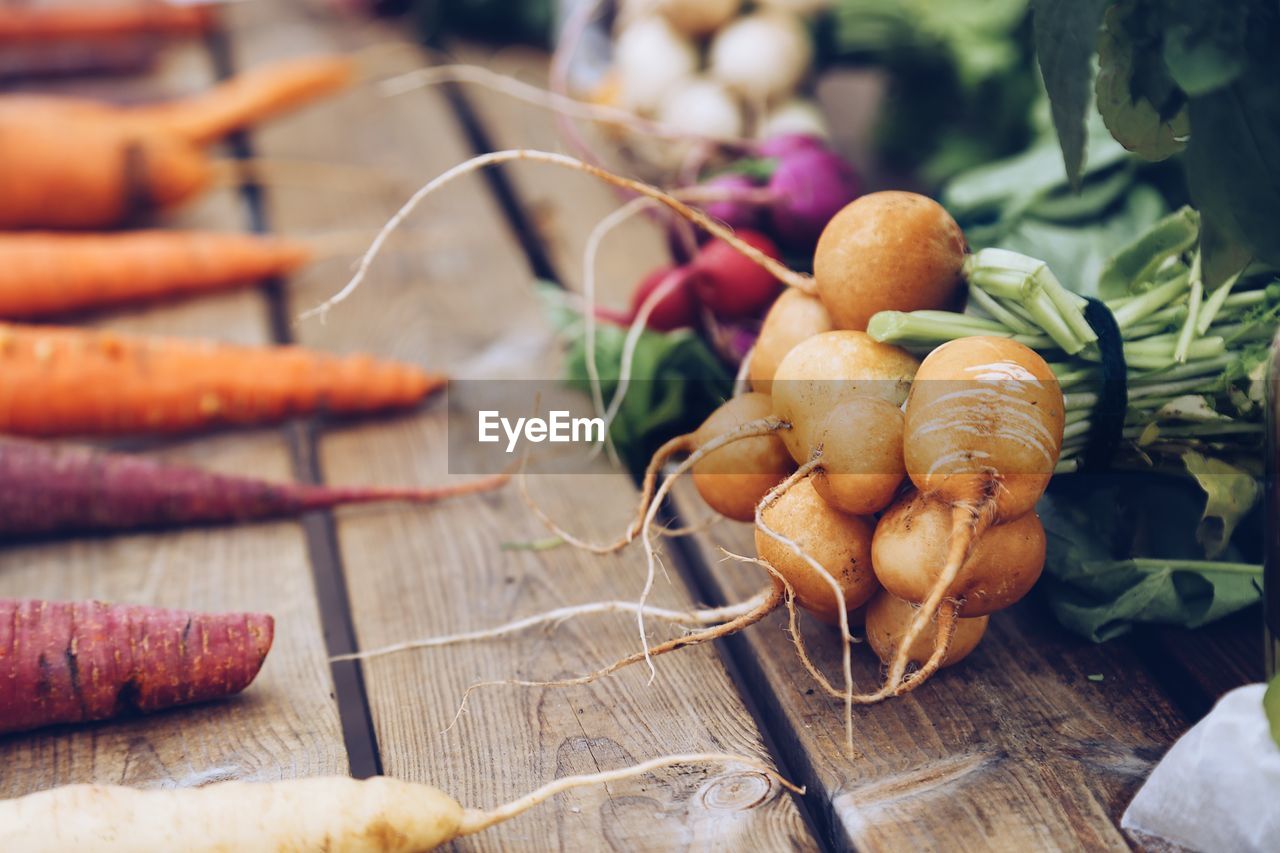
[{"x": 1022, "y": 747}]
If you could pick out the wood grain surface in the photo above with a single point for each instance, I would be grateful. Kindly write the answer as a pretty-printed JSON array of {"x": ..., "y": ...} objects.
[
  {"x": 455, "y": 292},
  {"x": 1036, "y": 741}
]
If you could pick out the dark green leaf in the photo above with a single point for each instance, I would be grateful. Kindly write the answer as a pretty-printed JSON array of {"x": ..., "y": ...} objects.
[
  {"x": 676, "y": 380},
  {"x": 1233, "y": 169},
  {"x": 1142, "y": 106},
  {"x": 1199, "y": 62},
  {"x": 1034, "y": 173},
  {"x": 1271, "y": 707},
  {"x": 1095, "y": 591},
  {"x": 1066, "y": 35}
]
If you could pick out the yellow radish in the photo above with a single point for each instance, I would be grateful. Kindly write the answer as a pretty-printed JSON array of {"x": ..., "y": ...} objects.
[
  {"x": 840, "y": 543},
  {"x": 794, "y": 317},
  {"x": 736, "y": 477},
  {"x": 889, "y": 617},
  {"x": 910, "y": 549},
  {"x": 826, "y": 370},
  {"x": 888, "y": 251},
  {"x": 697, "y": 18},
  {"x": 861, "y": 466},
  {"x": 983, "y": 434}
]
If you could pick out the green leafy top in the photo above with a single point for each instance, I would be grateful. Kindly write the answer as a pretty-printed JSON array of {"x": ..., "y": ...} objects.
[
  {"x": 676, "y": 380},
  {"x": 1180, "y": 77}
]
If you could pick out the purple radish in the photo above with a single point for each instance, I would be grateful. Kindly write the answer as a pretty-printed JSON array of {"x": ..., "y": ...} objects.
[
  {"x": 54, "y": 488},
  {"x": 809, "y": 187},
  {"x": 786, "y": 144},
  {"x": 735, "y": 214}
]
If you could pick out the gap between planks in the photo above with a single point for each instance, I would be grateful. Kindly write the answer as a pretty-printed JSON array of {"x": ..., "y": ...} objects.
[{"x": 354, "y": 713}]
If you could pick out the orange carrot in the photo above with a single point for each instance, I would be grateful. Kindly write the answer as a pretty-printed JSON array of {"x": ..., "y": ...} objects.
[
  {"x": 47, "y": 274},
  {"x": 75, "y": 172},
  {"x": 79, "y": 163},
  {"x": 242, "y": 101},
  {"x": 24, "y": 23},
  {"x": 62, "y": 381},
  {"x": 247, "y": 99}
]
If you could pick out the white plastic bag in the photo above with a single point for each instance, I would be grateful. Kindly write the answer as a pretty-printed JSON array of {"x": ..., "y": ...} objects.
[{"x": 1218, "y": 788}]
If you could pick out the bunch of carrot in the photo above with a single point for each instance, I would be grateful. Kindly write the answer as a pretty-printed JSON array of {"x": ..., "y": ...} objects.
[{"x": 74, "y": 163}]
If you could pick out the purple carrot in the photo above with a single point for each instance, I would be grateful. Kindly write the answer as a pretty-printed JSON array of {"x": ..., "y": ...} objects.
[
  {"x": 53, "y": 488},
  {"x": 72, "y": 662}
]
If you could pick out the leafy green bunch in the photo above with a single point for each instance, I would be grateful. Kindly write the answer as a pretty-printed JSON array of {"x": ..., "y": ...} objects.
[{"x": 1185, "y": 78}]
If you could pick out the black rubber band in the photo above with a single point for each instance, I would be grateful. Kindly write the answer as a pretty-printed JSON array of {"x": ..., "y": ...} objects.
[{"x": 1107, "y": 418}]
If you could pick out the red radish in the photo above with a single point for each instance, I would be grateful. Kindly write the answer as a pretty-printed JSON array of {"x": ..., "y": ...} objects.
[
  {"x": 736, "y": 214},
  {"x": 731, "y": 284},
  {"x": 72, "y": 662},
  {"x": 810, "y": 186},
  {"x": 679, "y": 308},
  {"x": 614, "y": 316},
  {"x": 51, "y": 488}
]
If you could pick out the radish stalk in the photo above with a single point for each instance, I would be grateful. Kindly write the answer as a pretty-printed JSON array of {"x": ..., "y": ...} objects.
[{"x": 779, "y": 270}]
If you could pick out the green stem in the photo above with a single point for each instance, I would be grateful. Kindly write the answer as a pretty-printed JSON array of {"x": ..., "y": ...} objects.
[
  {"x": 1214, "y": 303},
  {"x": 1069, "y": 305},
  {"x": 1150, "y": 302},
  {"x": 1193, "y": 314},
  {"x": 909, "y": 328},
  {"x": 992, "y": 306},
  {"x": 1155, "y": 565}
]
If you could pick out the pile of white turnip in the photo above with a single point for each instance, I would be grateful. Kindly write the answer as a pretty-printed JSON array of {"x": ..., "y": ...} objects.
[
  {"x": 881, "y": 487},
  {"x": 713, "y": 68}
]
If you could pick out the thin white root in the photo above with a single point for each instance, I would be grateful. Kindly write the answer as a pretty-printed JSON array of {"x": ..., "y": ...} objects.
[
  {"x": 602, "y": 228},
  {"x": 948, "y": 619},
  {"x": 846, "y": 639},
  {"x": 793, "y": 618},
  {"x": 742, "y": 381},
  {"x": 968, "y": 522},
  {"x": 695, "y": 194},
  {"x": 767, "y": 602},
  {"x": 705, "y": 616},
  {"x": 679, "y": 444},
  {"x": 762, "y": 426},
  {"x": 779, "y": 270},
  {"x": 475, "y": 820},
  {"x": 567, "y": 43},
  {"x": 561, "y": 104}
]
